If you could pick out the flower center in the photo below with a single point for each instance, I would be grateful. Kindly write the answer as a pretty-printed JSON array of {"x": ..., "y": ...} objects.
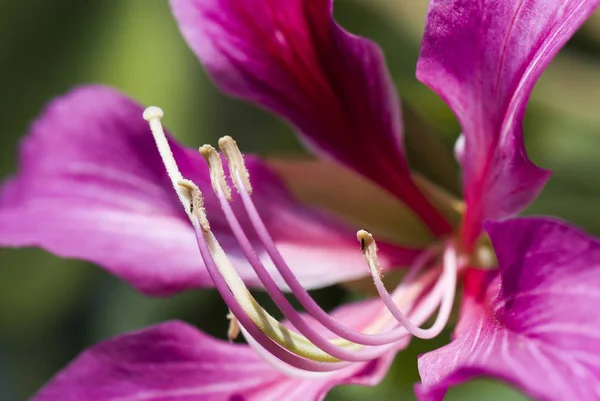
[{"x": 428, "y": 287}]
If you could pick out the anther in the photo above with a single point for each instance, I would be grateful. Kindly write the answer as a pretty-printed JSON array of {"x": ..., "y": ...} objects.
[
  {"x": 217, "y": 174},
  {"x": 196, "y": 205},
  {"x": 369, "y": 248},
  {"x": 237, "y": 167}
]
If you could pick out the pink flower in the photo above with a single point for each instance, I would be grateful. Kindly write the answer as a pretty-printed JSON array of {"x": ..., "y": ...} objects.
[{"x": 92, "y": 185}]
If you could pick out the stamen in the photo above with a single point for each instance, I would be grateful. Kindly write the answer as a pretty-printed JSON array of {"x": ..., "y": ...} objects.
[
  {"x": 247, "y": 315},
  {"x": 215, "y": 256},
  {"x": 298, "y": 290},
  {"x": 196, "y": 203},
  {"x": 267, "y": 331},
  {"x": 448, "y": 278},
  {"x": 235, "y": 159},
  {"x": 217, "y": 174},
  {"x": 263, "y": 328},
  {"x": 369, "y": 248},
  {"x": 308, "y": 351},
  {"x": 153, "y": 115},
  {"x": 332, "y": 347}
]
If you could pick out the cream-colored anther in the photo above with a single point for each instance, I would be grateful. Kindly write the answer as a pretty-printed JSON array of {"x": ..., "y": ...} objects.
[
  {"x": 369, "y": 248},
  {"x": 217, "y": 174},
  {"x": 153, "y": 115},
  {"x": 233, "y": 331},
  {"x": 196, "y": 202},
  {"x": 236, "y": 162}
]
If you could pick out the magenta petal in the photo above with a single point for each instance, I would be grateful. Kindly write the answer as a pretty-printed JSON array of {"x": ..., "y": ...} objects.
[
  {"x": 292, "y": 58},
  {"x": 483, "y": 58},
  {"x": 92, "y": 186},
  {"x": 535, "y": 326},
  {"x": 295, "y": 60},
  {"x": 175, "y": 362}
]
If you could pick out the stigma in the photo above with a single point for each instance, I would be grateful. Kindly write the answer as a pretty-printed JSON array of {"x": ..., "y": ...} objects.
[{"x": 428, "y": 287}]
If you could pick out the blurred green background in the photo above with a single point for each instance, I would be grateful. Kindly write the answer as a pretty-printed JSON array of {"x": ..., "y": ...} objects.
[{"x": 51, "y": 309}]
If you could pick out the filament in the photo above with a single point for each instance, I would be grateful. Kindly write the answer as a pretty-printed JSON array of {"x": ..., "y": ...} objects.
[
  {"x": 447, "y": 280},
  {"x": 249, "y": 314},
  {"x": 302, "y": 295},
  {"x": 282, "y": 303}
]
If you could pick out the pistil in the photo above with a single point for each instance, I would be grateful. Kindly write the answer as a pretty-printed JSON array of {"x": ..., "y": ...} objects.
[{"x": 153, "y": 115}]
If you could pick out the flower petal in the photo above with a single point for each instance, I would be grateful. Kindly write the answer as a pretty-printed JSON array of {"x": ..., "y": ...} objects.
[
  {"x": 483, "y": 58},
  {"x": 175, "y": 362},
  {"x": 353, "y": 198},
  {"x": 532, "y": 325},
  {"x": 294, "y": 60},
  {"x": 92, "y": 186}
]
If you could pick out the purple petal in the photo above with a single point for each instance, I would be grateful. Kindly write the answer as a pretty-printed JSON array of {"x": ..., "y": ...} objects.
[
  {"x": 294, "y": 60},
  {"x": 92, "y": 186},
  {"x": 533, "y": 325},
  {"x": 175, "y": 362},
  {"x": 483, "y": 58}
]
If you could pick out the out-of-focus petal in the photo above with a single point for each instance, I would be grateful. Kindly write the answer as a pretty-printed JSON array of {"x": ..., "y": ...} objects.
[
  {"x": 427, "y": 151},
  {"x": 175, "y": 362},
  {"x": 351, "y": 197},
  {"x": 320, "y": 249},
  {"x": 92, "y": 186},
  {"x": 483, "y": 58},
  {"x": 292, "y": 58},
  {"x": 533, "y": 324}
]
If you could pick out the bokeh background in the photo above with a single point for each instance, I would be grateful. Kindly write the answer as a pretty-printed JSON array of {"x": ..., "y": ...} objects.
[{"x": 51, "y": 309}]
